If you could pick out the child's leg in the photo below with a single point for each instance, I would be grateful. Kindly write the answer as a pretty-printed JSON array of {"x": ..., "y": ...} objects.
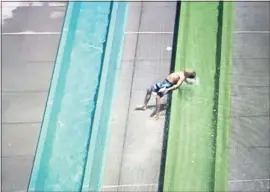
[{"x": 146, "y": 99}]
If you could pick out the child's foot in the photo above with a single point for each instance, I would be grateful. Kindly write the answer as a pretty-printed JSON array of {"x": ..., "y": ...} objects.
[{"x": 155, "y": 117}]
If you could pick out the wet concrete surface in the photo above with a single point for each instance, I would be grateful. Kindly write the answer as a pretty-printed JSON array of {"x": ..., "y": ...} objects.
[
  {"x": 27, "y": 64},
  {"x": 135, "y": 143},
  {"x": 249, "y": 168}
]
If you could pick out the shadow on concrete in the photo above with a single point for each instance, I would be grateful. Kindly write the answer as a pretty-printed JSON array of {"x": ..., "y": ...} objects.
[{"x": 163, "y": 107}]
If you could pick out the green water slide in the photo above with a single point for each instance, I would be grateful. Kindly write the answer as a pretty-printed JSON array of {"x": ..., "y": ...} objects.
[{"x": 196, "y": 157}]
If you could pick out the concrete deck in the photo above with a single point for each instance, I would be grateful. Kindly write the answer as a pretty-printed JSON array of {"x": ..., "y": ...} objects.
[
  {"x": 249, "y": 168},
  {"x": 27, "y": 64},
  {"x": 135, "y": 144}
]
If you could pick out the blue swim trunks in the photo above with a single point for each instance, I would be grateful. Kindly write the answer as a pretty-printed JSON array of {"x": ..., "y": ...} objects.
[{"x": 158, "y": 87}]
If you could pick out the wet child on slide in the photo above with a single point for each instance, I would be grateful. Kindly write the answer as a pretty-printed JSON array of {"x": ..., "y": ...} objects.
[{"x": 171, "y": 83}]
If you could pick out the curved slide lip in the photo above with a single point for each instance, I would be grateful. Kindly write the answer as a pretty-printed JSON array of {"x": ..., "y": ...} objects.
[{"x": 67, "y": 125}]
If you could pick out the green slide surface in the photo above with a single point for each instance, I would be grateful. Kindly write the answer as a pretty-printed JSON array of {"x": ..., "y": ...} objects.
[{"x": 198, "y": 132}]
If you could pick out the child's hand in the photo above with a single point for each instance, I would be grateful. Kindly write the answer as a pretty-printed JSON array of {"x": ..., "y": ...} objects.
[{"x": 164, "y": 91}]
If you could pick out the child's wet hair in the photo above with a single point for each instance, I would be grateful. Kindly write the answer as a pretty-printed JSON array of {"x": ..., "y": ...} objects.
[{"x": 192, "y": 75}]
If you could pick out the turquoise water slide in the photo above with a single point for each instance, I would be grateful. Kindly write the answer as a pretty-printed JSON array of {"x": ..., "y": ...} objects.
[{"x": 69, "y": 156}]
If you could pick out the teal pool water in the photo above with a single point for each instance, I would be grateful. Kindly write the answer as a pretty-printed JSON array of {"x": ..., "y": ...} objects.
[{"x": 70, "y": 151}]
